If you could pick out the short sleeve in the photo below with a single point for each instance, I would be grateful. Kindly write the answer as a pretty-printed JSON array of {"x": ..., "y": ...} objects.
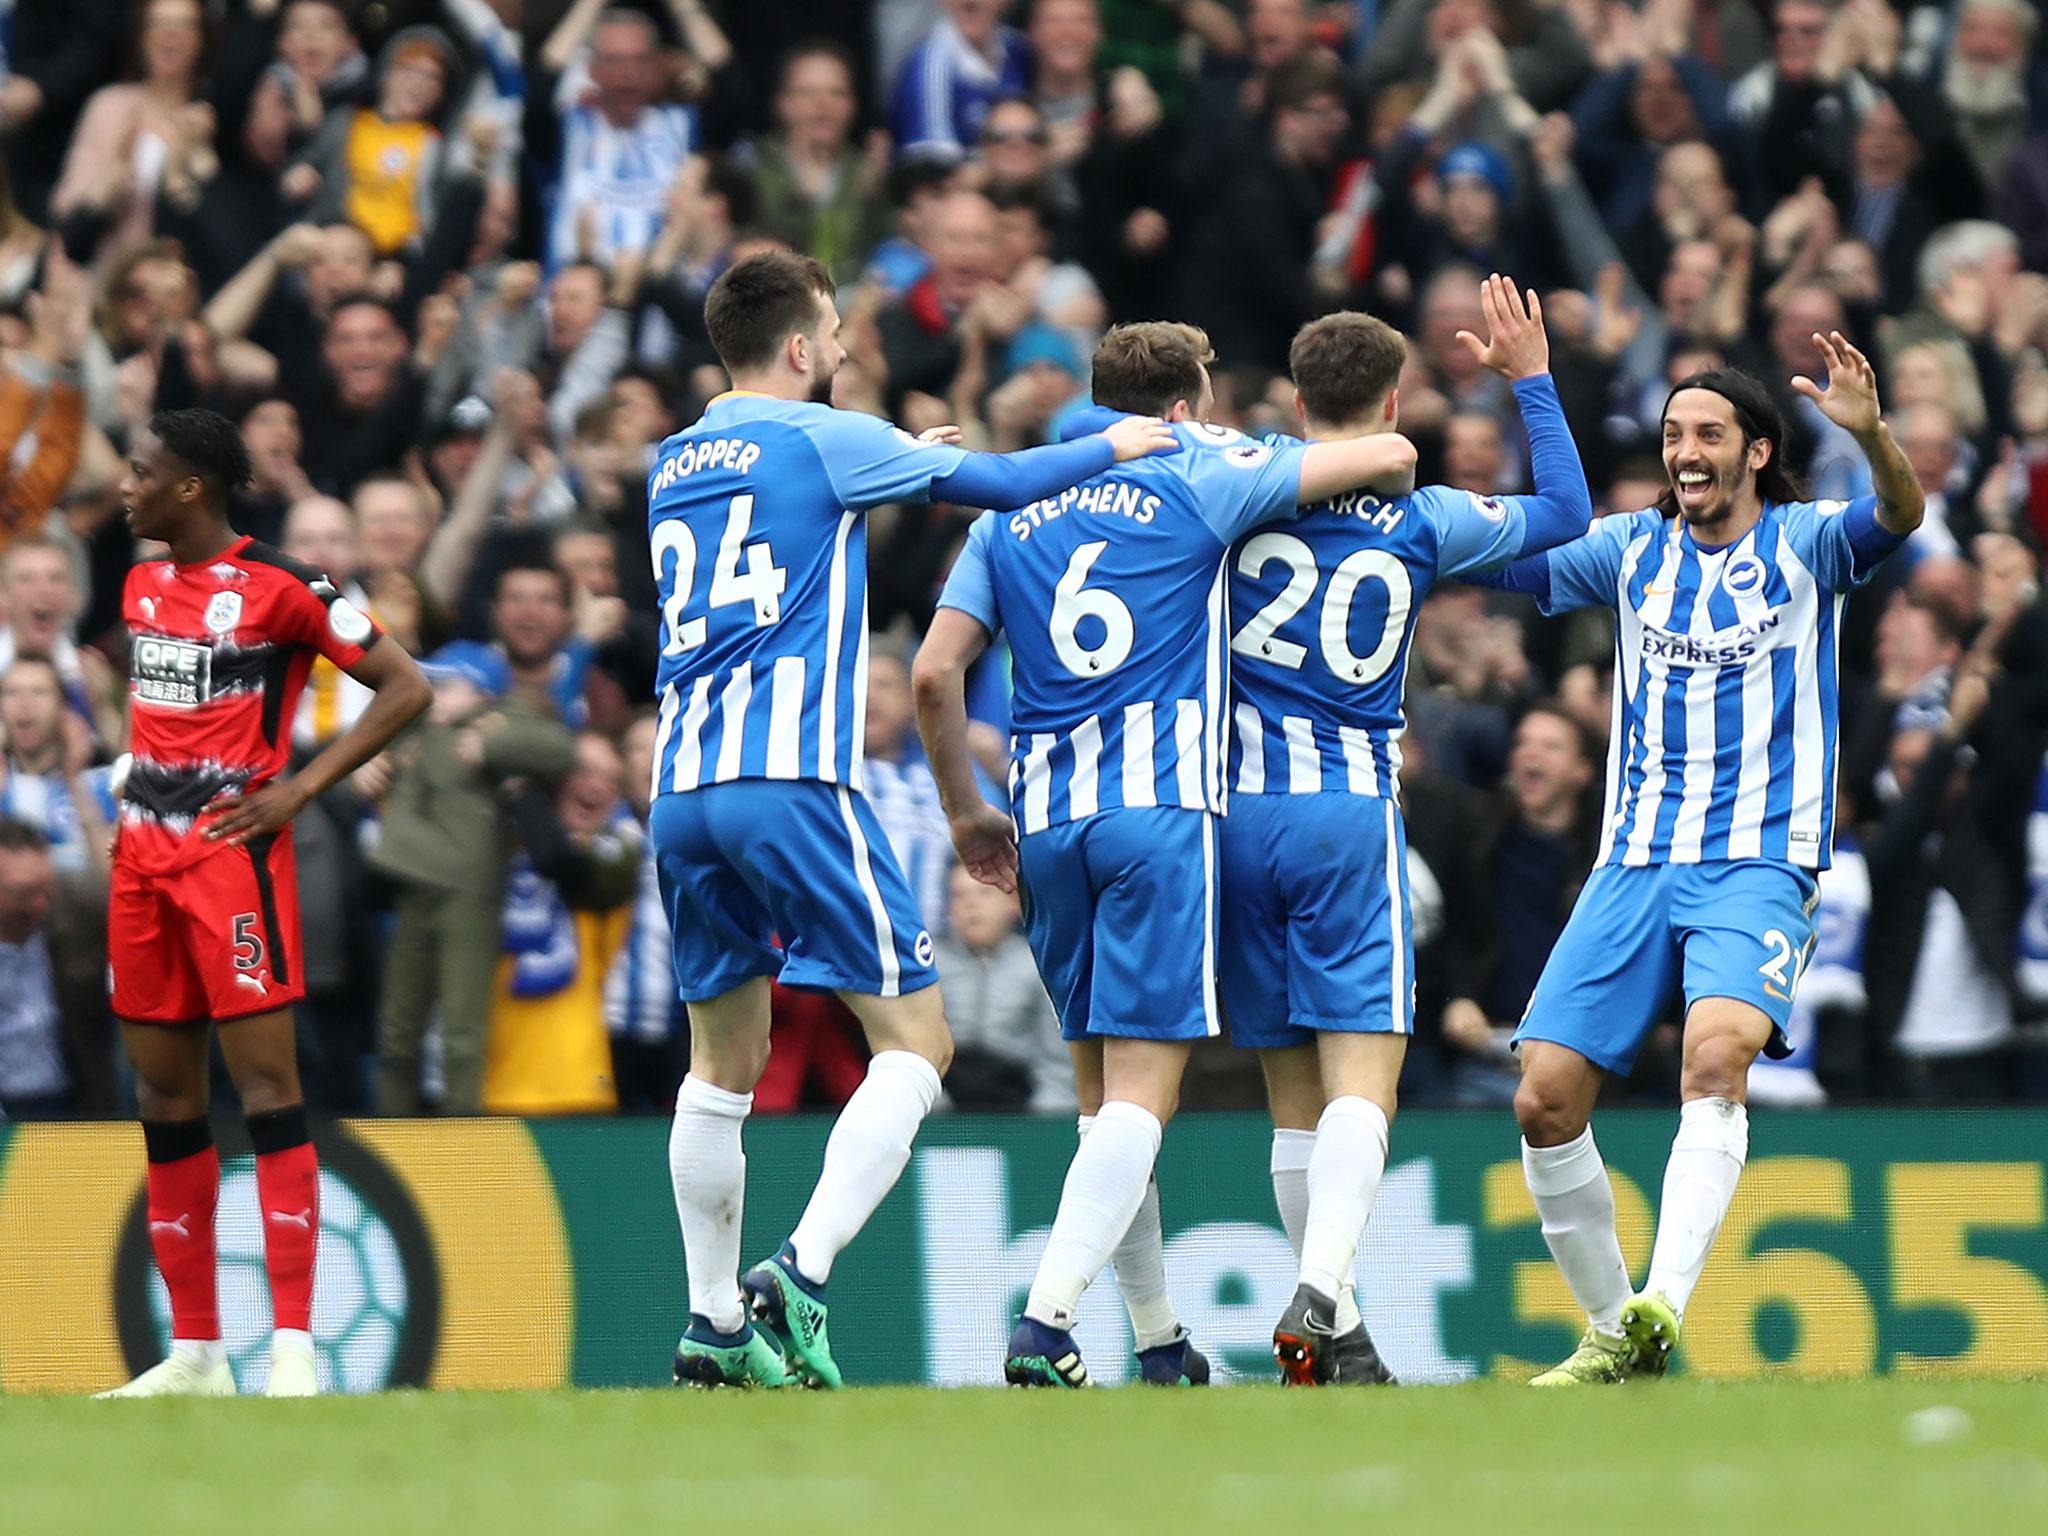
[
  {"x": 971, "y": 587},
  {"x": 1475, "y": 534},
  {"x": 1841, "y": 542},
  {"x": 870, "y": 462},
  {"x": 315, "y": 614},
  {"x": 1241, "y": 482}
]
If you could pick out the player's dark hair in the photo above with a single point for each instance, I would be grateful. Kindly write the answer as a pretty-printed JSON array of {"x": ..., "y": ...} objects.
[
  {"x": 18, "y": 836},
  {"x": 1345, "y": 365},
  {"x": 1757, "y": 414},
  {"x": 206, "y": 443},
  {"x": 1146, "y": 366},
  {"x": 758, "y": 304}
]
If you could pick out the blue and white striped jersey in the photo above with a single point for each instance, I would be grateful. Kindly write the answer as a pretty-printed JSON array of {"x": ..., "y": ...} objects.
[
  {"x": 613, "y": 183},
  {"x": 1725, "y": 709},
  {"x": 1112, "y": 596},
  {"x": 760, "y": 560},
  {"x": 947, "y": 87},
  {"x": 1324, "y": 611}
]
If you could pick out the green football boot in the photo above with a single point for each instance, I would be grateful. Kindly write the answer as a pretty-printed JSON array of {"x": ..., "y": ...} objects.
[
  {"x": 1652, "y": 1326},
  {"x": 1600, "y": 1358},
  {"x": 708, "y": 1358},
  {"x": 793, "y": 1309}
]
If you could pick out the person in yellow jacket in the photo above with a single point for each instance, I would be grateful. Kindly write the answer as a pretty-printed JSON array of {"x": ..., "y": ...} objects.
[
  {"x": 380, "y": 168},
  {"x": 567, "y": 908}
]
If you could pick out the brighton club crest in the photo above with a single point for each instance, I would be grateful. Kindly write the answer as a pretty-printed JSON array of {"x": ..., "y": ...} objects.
[{"x": 224, "y": 612}]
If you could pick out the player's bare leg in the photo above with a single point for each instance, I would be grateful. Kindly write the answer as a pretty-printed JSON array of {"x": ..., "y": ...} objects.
[
  {"x": 708, "y": 1172},
  {"x": 1575, "y": 1201},
  {"x": 184, "y": 1188},
  {"x": 1105, "y": 1186},
  {"x": 1332, "y": 1103},
  {"x": 1722, "y": 1038},
  {"x": 866, "y": 1155},
  {"x": 263, "y": 1061},
  {"x": 1166, "y": 1355}
]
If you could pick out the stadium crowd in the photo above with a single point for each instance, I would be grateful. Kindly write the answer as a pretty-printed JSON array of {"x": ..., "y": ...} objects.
[{"x": 444, "y": 261}]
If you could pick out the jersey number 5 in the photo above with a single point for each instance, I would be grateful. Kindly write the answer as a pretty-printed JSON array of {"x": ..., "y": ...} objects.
[
  {"x": 1258, "y": 640},
  {"x": 249, "y": 951},
  {"x": 760, "y": 585}
]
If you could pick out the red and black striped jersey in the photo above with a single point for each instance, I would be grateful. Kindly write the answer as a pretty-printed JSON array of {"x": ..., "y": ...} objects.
[{"x": 219, "y": 653}]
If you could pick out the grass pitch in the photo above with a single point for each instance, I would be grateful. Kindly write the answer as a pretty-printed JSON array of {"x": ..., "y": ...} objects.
[{"x": 1757, "y": 1459}]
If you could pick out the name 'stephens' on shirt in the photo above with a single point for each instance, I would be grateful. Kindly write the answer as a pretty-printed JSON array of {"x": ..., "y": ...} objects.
[
  {"x": 733, "y": 453},
  {"x": 1109, "y": 498}
]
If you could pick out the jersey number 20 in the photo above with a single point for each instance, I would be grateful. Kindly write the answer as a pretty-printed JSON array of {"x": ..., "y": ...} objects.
[
  {"x": 760, "y": 585},
  {"x": 1258, "y": 640}
]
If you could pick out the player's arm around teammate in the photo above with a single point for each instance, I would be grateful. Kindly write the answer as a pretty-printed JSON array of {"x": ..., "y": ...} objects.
[
  {"x": 1315, "y": 955},
  {"x": 1302, "y": 1080}
]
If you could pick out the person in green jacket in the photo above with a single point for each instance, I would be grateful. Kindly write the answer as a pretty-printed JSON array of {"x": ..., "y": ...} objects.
[{"x": 445, "y": 842}]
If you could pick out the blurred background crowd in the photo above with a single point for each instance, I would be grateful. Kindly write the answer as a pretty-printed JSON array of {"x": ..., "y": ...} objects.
[{"x": 444, "y": 261}]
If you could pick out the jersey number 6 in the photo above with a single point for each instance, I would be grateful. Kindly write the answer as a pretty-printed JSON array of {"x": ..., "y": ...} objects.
[
  {"x": 1258, "y": 640},
  {"x": 1072, "y": 602},
  {"x": 760, "y": 585}
]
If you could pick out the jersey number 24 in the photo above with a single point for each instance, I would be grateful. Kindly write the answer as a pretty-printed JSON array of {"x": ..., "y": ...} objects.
[{"x": 760, "y": 586}]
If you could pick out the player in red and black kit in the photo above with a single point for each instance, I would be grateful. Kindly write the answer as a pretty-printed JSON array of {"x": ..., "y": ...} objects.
[{"x": 203, "y": 918}]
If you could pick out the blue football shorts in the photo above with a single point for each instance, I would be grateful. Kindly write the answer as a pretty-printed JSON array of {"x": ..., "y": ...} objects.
[
  {"x": 1316, "y": 930},
  {"x": 1120, "y": 910},
  {"x": 746, "y": 864},
  {"x": 1739, "y": 929}
]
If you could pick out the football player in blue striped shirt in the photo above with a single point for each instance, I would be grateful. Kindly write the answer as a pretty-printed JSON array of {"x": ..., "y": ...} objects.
[
  {"x": 1720, "y": 812},
  {"x": 759, "y": 826},
  {"x": 1317, "y": 959},
  {"x": 1112, "y": 598}
]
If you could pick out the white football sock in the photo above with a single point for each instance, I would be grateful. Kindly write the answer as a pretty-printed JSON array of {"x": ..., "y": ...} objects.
[
  {"x": 866, "y": 1155},
  {"x": 1706, "y": 1160},
  {"x": 207, "y": 1354},
  {"x": 1292, "y": 1150},
  {"x": 1576, "y": 1203},
  {"x": 709, "y": 1173},
  {"x": 1104, "y": 1188},
  {"x": 1139, "y": 1260},
  {"x": 1344, "y": 1175}
]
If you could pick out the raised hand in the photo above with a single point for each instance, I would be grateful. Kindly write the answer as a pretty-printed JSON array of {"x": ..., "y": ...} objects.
[
  {"x": 1850, "y": 400},
  {"x": 1135, "y": 436},
  {"x": 1517, "y": 347}
]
